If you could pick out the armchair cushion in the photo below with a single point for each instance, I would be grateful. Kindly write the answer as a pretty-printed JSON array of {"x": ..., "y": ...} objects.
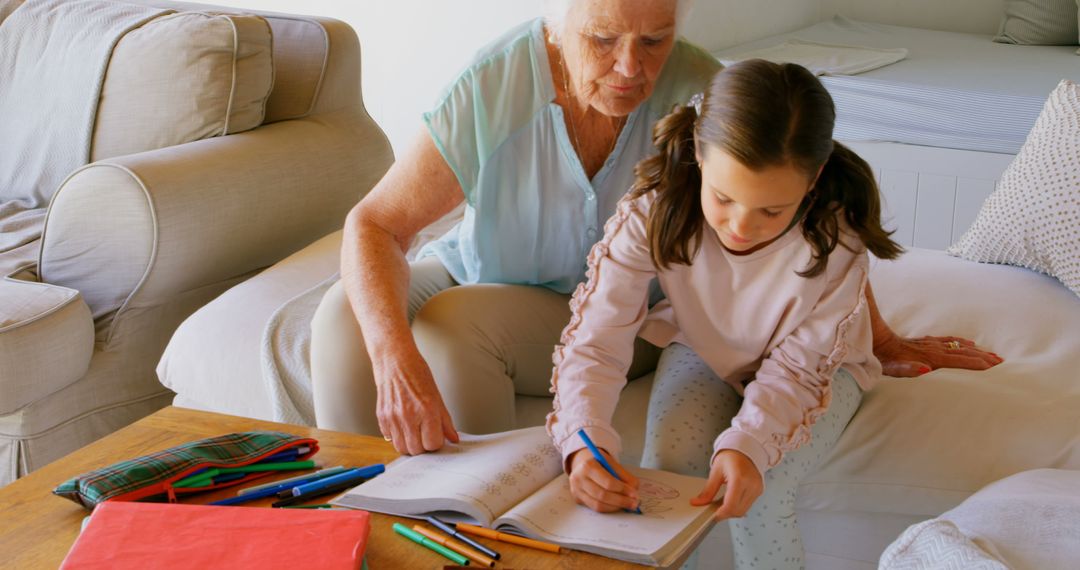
[
  {"x": 46, "y": 339},
  {"x": 182, "y": 77}
]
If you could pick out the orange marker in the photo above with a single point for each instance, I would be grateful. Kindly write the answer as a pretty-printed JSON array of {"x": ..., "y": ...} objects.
[
  {"x": 457, "y": 546},
  {"x": 503, "y": 537}
]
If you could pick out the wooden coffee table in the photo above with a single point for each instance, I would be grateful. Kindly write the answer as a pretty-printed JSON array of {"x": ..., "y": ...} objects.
[{"x": 38, "y": 528}]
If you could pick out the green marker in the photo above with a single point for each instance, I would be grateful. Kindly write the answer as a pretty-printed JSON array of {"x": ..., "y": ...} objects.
[
  {"x": 424, "y": 541},
  {"x": 257, "y": 467},
  {"x": 206, "y": 477},
  {"x": 198, "y": 480}
]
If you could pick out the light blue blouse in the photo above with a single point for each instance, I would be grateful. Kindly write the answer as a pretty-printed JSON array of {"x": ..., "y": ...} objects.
[{"x": 531, "y": 213}]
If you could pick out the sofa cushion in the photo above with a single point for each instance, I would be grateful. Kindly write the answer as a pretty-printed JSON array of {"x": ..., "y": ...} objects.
[
  {"x": 1039, "y": 22},
  {"x": 920, "y": 446},
  {"x": 184, "y": 77},
  {"x": 46, "y": 339}
]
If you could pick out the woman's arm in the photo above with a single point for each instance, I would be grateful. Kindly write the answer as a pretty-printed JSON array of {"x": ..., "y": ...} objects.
[
  {"x": 909, "y": 357},
  {"x": 417, "y": 190}
]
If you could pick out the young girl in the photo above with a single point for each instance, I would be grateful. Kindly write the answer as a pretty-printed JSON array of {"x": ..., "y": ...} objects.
[{"x": 756, "y": 224}]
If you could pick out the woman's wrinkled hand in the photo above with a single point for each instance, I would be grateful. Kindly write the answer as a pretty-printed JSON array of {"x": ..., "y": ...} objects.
[
  {"x": 410, "y": 410},
  {"x": 909, "y": 357},
  {"x": 592, "y": 486},
  {"x": 744, "y": 485}
]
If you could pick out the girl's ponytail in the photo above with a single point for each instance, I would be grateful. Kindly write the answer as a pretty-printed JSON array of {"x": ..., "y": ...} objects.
[
  {"x": 675, "y": 222},
  {"x": 845, "y": 187}
]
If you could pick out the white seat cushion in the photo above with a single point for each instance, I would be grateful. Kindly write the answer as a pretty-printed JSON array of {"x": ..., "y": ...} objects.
[{"x": 921, "y": 446}]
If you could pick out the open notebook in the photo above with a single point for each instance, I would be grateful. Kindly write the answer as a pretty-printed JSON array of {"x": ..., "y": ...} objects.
[{"x": 514, "y": 482}]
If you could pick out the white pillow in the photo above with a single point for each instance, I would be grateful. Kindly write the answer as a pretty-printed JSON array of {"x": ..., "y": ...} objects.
[
  {"x": 1039, "y": 22},
  {"x": 1033, "y": 218}
]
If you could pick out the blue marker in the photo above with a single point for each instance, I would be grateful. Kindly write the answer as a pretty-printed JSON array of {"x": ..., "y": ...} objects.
[
  {"x": 362, "y": 472},
  {"x": 268, "y": 491},
  {"x": 603, "y": 462}
]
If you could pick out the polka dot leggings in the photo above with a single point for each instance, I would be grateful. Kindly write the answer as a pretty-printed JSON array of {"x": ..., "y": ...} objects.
[{"x": 690, "y": 405}]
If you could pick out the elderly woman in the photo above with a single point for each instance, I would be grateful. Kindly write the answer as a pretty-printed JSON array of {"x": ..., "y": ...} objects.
[{"x": 539, "y": 136}]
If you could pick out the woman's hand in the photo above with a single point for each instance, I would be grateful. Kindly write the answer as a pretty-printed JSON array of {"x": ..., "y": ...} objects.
[
  {"x": 908, "y": 357},
  {"x": 410, "y": 409},
  {"x": 744, "y": 485},
  {"x": 592, "y": 486}
]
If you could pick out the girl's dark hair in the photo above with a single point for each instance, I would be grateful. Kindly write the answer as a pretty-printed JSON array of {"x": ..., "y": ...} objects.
[{"x": 762, "y": 114}]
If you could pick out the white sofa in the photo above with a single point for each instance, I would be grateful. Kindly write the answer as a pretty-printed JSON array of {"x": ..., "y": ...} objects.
[
  {"x": 915, "y": 449},
  {"x": 220, "y": 144}
]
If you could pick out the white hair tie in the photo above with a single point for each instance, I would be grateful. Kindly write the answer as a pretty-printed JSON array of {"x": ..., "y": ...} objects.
[{"x": 695, "y": 102}]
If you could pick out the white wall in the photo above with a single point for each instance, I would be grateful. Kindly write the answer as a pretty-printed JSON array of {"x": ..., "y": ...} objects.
[{"x": 412, "y": 48}]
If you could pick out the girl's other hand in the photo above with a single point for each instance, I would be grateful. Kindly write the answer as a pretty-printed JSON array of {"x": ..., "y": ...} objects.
[
  {"x": 592, "y": 486},
  {"x": 744, "y": 485}
]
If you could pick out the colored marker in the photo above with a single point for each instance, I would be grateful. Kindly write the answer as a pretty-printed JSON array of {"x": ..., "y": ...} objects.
[
  {"x": 449, "y": 529},
  {"x": 287, "y": 455},
  {"x": 201, "y": 479},
  {"x": 424, "y": 541},
  {"x": 294, "y": 481},
  {"x": 204, "y": 478},
  {"x": 457, "y": 546},
  {"x": 246, "y": 498},
  {"x": 259, "y": 467},
  {"x": 365, "y": 472},
  {"x": 603, "y": 462},
  {"x": 344, "y": 485},
  {"x": 511, "y": 538}
]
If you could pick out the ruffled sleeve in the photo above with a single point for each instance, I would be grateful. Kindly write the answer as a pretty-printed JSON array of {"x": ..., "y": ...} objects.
[
  {"x": 597, "y": 345},
  {"x": 793, "y": 386}
]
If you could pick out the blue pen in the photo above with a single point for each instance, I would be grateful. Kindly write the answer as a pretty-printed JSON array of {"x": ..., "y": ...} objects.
[
  {"x": 265, "y": 492},
  {"x": 603, "y": 462},
  {"x": 364, "y": 472}
]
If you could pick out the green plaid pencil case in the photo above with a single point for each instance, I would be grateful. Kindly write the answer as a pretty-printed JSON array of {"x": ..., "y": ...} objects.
[{"x": 156, "y": 473}]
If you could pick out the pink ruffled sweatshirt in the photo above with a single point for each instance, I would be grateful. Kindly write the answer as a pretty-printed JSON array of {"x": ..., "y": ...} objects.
[{"x": 776, "y": 337}]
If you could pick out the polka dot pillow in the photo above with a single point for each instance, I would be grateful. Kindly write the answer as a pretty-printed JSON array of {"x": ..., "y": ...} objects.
[{"x": 1033, "y": 218}]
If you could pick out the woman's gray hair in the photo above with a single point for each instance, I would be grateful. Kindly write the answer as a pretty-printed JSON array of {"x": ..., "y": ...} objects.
[{"x": 555, "y": 12}]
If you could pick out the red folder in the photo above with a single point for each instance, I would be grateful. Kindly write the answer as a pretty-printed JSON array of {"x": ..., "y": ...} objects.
[{"x": 123, "y": 535}]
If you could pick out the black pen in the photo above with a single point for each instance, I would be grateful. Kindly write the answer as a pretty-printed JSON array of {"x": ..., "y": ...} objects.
[{"x": 448, "y": 529}]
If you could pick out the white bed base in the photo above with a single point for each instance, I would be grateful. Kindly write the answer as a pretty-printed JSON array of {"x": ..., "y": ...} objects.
[{"x": 931, "y": 195}]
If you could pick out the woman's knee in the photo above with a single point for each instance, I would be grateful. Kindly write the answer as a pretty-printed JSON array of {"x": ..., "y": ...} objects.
[
  {"x": 343, "y": 389},
  {"x": 334, "y": 315}
]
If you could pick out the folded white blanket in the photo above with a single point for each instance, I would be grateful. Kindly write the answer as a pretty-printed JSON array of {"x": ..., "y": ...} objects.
[
  {"x": 936, "y": 544},
  {"x": 823, "y": 59},
  {"x": 1028, "y": 521},
  {"x": 53, "y": 57}
]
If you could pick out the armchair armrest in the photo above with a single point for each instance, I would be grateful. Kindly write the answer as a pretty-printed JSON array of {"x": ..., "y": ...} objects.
[
  {"x": 133, "y": 232},
  {"x": 46, "y": 339}
]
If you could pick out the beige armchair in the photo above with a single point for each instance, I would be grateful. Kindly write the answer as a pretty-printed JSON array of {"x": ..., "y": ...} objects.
[{"x": 166, "y": 213}]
